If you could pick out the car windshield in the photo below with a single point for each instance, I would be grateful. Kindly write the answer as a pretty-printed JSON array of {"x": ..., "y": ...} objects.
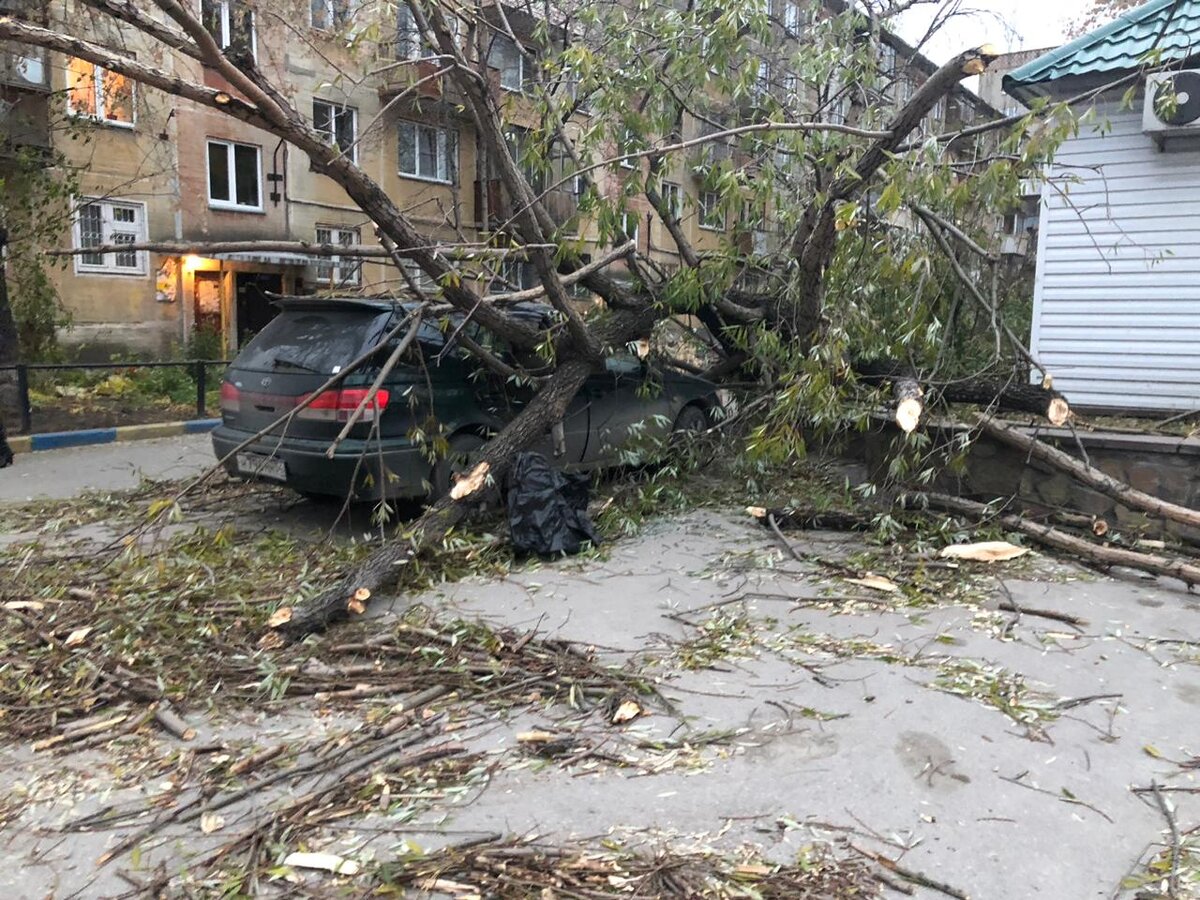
[{"x": 314, "y": 340}]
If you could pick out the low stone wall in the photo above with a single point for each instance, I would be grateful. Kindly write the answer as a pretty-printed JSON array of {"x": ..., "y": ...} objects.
[{"x": 1167, "y": 467}]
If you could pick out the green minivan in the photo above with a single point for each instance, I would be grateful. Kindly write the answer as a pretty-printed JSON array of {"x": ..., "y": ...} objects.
[{"x": 437, "y": 388}]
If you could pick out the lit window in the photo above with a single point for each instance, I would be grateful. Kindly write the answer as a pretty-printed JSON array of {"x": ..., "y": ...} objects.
[
  {"x": 234, "y": 176},
  {"x": 712, "y": 214},
  {"x": 96, "y": 93},
  {"x": 231, "y": 23},
  {"x": 428, "y": 152},
  {"x": 336, "y": 271},
  {"x": 339, "y": 125},
  {"x": 112, "y": 222}
]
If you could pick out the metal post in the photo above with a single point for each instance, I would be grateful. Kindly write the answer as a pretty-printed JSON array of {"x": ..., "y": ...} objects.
[
  {"x": 23, "y": 398},
  {"x": 201, "y": 388}
]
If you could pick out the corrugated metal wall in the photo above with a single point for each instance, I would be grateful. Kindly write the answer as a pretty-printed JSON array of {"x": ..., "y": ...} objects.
[{"x": 1116, "y": 314}]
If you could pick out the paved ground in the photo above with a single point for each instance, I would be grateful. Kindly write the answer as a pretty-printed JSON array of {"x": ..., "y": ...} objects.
[
  {"x": 107, "y": 467},
  {"x": 993, "y": 753}
]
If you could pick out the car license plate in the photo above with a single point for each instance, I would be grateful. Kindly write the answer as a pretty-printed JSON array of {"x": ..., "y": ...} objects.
[{"x": 261, "y": 466}]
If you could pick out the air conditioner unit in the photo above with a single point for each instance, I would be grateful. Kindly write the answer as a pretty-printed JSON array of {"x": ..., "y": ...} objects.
[{"x": 1172, "y": 105}]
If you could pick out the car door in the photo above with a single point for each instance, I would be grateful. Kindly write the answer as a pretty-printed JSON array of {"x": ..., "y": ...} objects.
[
  {"x": 503, "y": 400},
  {"x": 628, "y": 411}
]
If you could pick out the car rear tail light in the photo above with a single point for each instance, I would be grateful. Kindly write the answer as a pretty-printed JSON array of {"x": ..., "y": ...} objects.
[
  {"x": 338, "y": 406},
  {"x": 231, "y": 398}
]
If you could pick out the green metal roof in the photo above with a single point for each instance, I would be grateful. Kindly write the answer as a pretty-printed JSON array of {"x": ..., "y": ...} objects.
[{"x": 1121, "y": 45}]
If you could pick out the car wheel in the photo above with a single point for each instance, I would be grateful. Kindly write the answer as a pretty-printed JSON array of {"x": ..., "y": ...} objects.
[
  {"x": 458, "y": 460},
  {"x": 691, "y": 420}
]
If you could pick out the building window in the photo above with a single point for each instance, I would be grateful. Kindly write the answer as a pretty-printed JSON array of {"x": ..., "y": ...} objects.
[
  {"x": 630, "y": 224},
  {"x": 330, "y": 15},
  {"x": 427, "y": 152},
  {"x": 793, "y": 19},
  {"x": 887, "y": 61},
  {"x": 422, "y": 279},
  {"x": 762, "y": 82},
  {"x": 336, "y": 271},
  {"x": 234, "y": 176},
  {"x": 712, "y": 214},
  {"x": 339, "y": 125},
  {"x": 518, "y": 275},
  {"x": 231, "y": 23},
  {"x": 100, "y": 222},
  {"x": 672, "y": 198},
  {"x": 508, "y": 58},
  {"x": 96, "y": 93}
]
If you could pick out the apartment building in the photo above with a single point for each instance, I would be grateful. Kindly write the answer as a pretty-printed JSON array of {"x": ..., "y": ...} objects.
[{"x": 160, "y": 168}]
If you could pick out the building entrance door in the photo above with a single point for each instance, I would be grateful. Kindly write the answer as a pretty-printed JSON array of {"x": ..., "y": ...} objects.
[{"x": 254, "y": 309}]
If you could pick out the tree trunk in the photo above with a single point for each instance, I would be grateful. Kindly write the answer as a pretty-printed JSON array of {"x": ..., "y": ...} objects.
[
  {"x": 380, "y": 570},
  {"x": 1007, "y": 395},
  {"x": 10, "y": 398},
  {"x": 1100, "y": 554},
  {"x": 1092, "y": 477}
]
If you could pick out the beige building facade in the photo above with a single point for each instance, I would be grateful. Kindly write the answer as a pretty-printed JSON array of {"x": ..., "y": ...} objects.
[{"x": 158, "y": 168}]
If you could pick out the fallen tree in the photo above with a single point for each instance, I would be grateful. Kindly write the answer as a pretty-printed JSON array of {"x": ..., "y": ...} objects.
[
  {"x": 779, "y": 320},
  {"x": 1087, "y": 474}
]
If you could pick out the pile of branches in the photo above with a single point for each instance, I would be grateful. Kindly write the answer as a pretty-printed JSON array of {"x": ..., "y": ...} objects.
[
  {"x": 1087, "y": 538},
  {"x": 501, "y": 666},
  {"x": 514, "y": 869}
]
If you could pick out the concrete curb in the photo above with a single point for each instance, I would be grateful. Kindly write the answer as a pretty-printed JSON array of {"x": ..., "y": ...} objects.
[{"x": 56, "y": 440}]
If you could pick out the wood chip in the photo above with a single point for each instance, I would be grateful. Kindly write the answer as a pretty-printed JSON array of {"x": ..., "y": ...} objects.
[
  {"x": 875, "y": 583},
  {"x": 469, "y": 484},
  {"x": 627, "y": 712},
  {"x": 327, "y": 862},
  {"x": 77, "y": 637},
  {"x": 985, "y": 551},
  {"x": 756, "y": 512},
  {"x": 211, "y": 821},
  {"x": 33, "y": 605},
  {"x": 536, "y": 737},
  {"x": 281, "y": 616}
]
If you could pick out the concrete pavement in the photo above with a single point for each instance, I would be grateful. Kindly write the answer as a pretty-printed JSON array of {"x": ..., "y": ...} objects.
[{"x": 58, "y": 474}]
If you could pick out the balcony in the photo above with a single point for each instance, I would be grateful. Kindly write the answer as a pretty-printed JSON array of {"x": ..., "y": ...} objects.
[
  {"x": 561, "y": 205},
  {"x": 424, "y": 86},
  {"x": 24, "y": 121}
]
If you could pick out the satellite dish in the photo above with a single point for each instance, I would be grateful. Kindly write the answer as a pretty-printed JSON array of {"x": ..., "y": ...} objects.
[{"x": 1177, "y": 99}]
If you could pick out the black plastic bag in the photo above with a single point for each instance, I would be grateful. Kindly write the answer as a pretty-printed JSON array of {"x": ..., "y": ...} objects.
[{"x": 547, "y": 509}]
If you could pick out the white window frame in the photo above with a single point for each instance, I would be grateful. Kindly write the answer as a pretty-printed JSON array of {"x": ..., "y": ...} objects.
[
  {"x": 447, "y": 165},
  {"x": 337, "y": 271},
  {"x": 520, "y": 57},
  {"x": 335, "y": 10},
  {"x": 225, "y": 38},
  {"x": 232, "y": 203},
  {"x": 672, "y": 197},
  {"x": 417, "y": 48},
  {"x": 704, "y": 209},
  {"x": 101, "y": 114},
  {"x": 636, "y": 234},
  {"x": 422, "y": 279},
  {"x": 350, "y": 152},
  {"x": 793, "y": 19},
  {"x": 108, "y": 227}
]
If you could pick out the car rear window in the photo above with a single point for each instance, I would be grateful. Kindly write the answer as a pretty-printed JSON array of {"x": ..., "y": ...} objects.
[{"x": 316, "y": 340}]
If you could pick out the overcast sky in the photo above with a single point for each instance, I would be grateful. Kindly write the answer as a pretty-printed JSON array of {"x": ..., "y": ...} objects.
[{"x": 1008, "y": 24}]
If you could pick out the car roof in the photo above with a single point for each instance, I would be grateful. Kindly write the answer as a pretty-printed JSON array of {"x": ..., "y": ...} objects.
[{"x": 525, "y": 310}]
